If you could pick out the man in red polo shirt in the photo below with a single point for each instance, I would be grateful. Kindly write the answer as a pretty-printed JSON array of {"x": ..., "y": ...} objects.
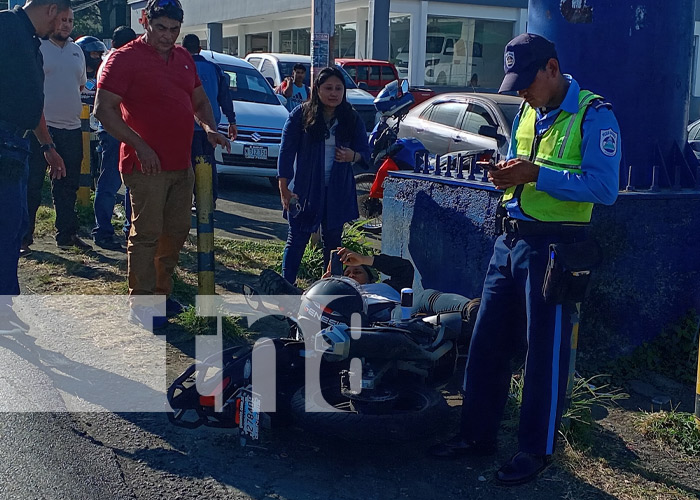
[{"x": 147, "y": 94}]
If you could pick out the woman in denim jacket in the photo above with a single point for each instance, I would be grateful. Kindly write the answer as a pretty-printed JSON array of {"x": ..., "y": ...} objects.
[{"x": 321, "y": 140}]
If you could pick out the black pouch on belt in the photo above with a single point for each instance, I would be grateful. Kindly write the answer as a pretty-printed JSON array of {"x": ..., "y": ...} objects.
[{"x": 568, "y": 275}]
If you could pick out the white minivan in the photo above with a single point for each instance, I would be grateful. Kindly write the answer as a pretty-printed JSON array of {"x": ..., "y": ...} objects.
[
  {"x": 275, "y": 67},
  {"x": 260, "y": 117}
]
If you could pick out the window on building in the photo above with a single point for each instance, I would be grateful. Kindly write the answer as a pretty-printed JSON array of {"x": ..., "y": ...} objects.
[
  {"x": 231, "y": 45},
  {"x": 399, "y": 43},
  {"x": 344, "y": 42},
  {"x": 258, "y": 42},
  {"x": 296, "y": 41},
  {"x": 463, "y": 50}
]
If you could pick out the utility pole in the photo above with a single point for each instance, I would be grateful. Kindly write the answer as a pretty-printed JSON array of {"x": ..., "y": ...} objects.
[{"x": 322, "y": 34}]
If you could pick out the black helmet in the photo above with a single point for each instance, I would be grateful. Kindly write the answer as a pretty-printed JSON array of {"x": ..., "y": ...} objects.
[
  {"x": 331, "y": 301},
  {"x": 89, "y": 44}
]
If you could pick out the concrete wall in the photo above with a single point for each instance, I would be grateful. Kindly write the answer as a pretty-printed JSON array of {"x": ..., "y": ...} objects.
[{"x": 651, "y": 271}]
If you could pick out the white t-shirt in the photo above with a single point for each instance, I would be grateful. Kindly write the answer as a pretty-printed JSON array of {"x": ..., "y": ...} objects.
[
  {"x": 64, "y": 74},
  {"x": 330, "y": 151}
]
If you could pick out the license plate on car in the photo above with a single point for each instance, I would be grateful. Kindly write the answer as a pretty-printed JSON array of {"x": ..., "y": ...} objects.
[{"x": 255, "y": 152}]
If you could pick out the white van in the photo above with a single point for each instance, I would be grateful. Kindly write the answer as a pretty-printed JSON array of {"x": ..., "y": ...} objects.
[
  {"x": 442, "y": 65},
  {"x": 275, "y": 67},
  {"x": 260, "y": 117}
]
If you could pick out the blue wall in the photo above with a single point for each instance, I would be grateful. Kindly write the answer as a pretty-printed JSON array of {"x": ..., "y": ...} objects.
[{"x": 651, "y": 246}]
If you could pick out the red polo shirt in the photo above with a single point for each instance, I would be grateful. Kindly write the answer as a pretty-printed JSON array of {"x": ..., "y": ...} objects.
[{"x": 156, "y": 101}]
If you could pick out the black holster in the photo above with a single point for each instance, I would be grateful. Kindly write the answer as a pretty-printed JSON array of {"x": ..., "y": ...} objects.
[{"x": 568, "y": 275}]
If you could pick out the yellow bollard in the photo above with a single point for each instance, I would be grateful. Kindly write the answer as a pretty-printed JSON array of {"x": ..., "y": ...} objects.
[
  {"x": 85, "y": 174},
  {"x": 205, "y": 231}
]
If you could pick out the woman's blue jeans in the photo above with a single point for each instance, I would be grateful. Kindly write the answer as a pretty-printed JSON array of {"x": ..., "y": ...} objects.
[{"x": 296, "y": 243}]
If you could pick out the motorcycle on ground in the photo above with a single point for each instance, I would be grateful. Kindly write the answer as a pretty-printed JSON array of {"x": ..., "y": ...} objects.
[{"x": 345, "y": 369}]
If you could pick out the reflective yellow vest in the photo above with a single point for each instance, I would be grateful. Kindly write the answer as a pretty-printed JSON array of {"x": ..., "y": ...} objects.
[{"x": 559, "y": 148}]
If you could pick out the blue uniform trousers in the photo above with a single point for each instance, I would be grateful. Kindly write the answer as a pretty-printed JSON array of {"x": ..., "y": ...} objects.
[
  {"x": 513, "y": 315},
  {"x": 13, "y": 225}
]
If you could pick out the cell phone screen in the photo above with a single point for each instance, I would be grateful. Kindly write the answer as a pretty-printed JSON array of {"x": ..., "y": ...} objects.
[{"x": 336, "y": 264}]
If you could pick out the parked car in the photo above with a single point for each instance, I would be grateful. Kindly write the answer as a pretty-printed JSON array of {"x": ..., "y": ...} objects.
[
  {"x": 377, "y": 74},
  {"x": 461, "y": 121},
  {"x": 275, "y": 67},
  {"x": 694, "y": 137},
  {"x": 260, "y": 117}
]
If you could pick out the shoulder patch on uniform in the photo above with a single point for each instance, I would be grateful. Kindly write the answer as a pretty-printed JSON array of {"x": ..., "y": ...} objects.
[
  {"x": 608, "y": 142},
  {"x": 600, "y": 104}
]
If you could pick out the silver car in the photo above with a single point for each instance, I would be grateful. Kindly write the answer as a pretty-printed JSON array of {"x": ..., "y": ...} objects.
[{"x": 448, "y": 123}]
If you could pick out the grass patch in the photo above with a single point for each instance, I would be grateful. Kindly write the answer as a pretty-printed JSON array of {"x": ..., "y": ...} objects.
[
  {"x": 200, "y": 325},
  {"x": 677, "y": 429},
  {"x": 247, "y": 256},
  {"x": 577, "y": 418}
]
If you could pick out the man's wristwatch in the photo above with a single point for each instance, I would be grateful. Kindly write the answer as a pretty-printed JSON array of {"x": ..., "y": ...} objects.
[{"x": 45, "y": 147}]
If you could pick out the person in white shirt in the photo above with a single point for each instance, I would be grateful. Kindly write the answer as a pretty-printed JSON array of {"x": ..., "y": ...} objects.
[{"x": 64, "y": 77}]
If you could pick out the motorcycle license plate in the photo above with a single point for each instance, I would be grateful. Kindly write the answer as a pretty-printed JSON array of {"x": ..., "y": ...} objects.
[
  {"x": 255, "y": 152},
  {"x": 248, "y": 413}
]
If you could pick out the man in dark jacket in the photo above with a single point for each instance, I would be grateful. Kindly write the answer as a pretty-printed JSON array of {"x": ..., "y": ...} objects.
[
  {"x": 216, "y": 86},
  {"x": 21, "y": 112}
]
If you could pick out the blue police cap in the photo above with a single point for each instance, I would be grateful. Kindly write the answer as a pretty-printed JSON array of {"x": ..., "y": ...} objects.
[{"x": 522, "y": 59}]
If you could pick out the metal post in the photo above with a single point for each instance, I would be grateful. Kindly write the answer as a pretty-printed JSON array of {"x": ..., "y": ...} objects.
[
  {"x": 205, "y": 233},
  {"x": 322, "y": 32},
  {"x": 85, "y": 173},
  {"x": 575, "y": 319}
]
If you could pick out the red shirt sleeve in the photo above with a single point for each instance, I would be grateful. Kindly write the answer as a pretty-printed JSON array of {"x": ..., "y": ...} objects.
[{"x": 116, "y": 76}]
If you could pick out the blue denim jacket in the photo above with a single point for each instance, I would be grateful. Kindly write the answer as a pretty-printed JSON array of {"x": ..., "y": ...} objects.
[{"x": 307, "y": 176}]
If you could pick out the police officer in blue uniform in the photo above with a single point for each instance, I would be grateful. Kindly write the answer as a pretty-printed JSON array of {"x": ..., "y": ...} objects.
[
  {"x": 21, "y": 112},
  {"x": 564, "y": 156}
]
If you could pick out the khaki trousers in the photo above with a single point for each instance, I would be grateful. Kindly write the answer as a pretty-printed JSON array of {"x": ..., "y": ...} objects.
[{"x": 160, "y": 222}]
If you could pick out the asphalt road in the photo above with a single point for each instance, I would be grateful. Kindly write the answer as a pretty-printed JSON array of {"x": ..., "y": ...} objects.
[{"x": 248, "y": 208}]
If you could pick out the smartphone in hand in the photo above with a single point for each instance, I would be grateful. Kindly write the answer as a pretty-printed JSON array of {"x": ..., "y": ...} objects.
[{"x": 336, "y": 264}]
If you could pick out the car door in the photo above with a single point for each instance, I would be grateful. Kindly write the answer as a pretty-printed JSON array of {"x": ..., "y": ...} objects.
[
  {"x": 437, "y": 125},
  {"x": 467, "y": 137}
]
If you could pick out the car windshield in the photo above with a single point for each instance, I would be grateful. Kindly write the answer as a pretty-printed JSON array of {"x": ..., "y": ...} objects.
[
  {"x": 246, "y": 84},
  {"x": 433, "y": 44},
  {"x": 287, "y": 68},
  {"x": 509, "y": 112}
]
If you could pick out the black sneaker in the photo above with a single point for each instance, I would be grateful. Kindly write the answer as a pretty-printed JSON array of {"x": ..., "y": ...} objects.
[
  {"x": 73, "y": 241},
  {"x": 10, "y": 324},
  {"x": 109, "y": 243}
]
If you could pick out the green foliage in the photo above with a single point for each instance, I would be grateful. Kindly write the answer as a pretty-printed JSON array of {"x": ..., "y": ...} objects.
[
  {"x": 245, "y": 255},
  {"x": 674, "y": 353},
  {"x": 586, "y": 395},
  {"x": 577, "y": 417},
  {"x": 88, "y": 21},
  {"x": 311, "y": 268},
  {"x": 200, "y": 325},
  {"x": 677, "y": 429}
]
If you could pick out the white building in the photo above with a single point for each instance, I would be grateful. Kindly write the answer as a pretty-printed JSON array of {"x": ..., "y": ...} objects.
[{"x": 460, "y": 37}]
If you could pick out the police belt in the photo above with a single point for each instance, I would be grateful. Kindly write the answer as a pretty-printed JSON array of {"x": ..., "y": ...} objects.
[
  {"x": 520, "y": 227},
  {"x": 14, "y": 129}
]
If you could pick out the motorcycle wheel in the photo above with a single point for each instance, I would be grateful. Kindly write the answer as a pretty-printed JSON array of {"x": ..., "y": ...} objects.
[
  {"x": 372, "y": 215},
  {"x": 416, "y": 412}
]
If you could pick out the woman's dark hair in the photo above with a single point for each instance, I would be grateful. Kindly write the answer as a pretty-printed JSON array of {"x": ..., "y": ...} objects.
[
  {"x": 164, "y": 8},
  {"x": 313, "y": 121}
]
